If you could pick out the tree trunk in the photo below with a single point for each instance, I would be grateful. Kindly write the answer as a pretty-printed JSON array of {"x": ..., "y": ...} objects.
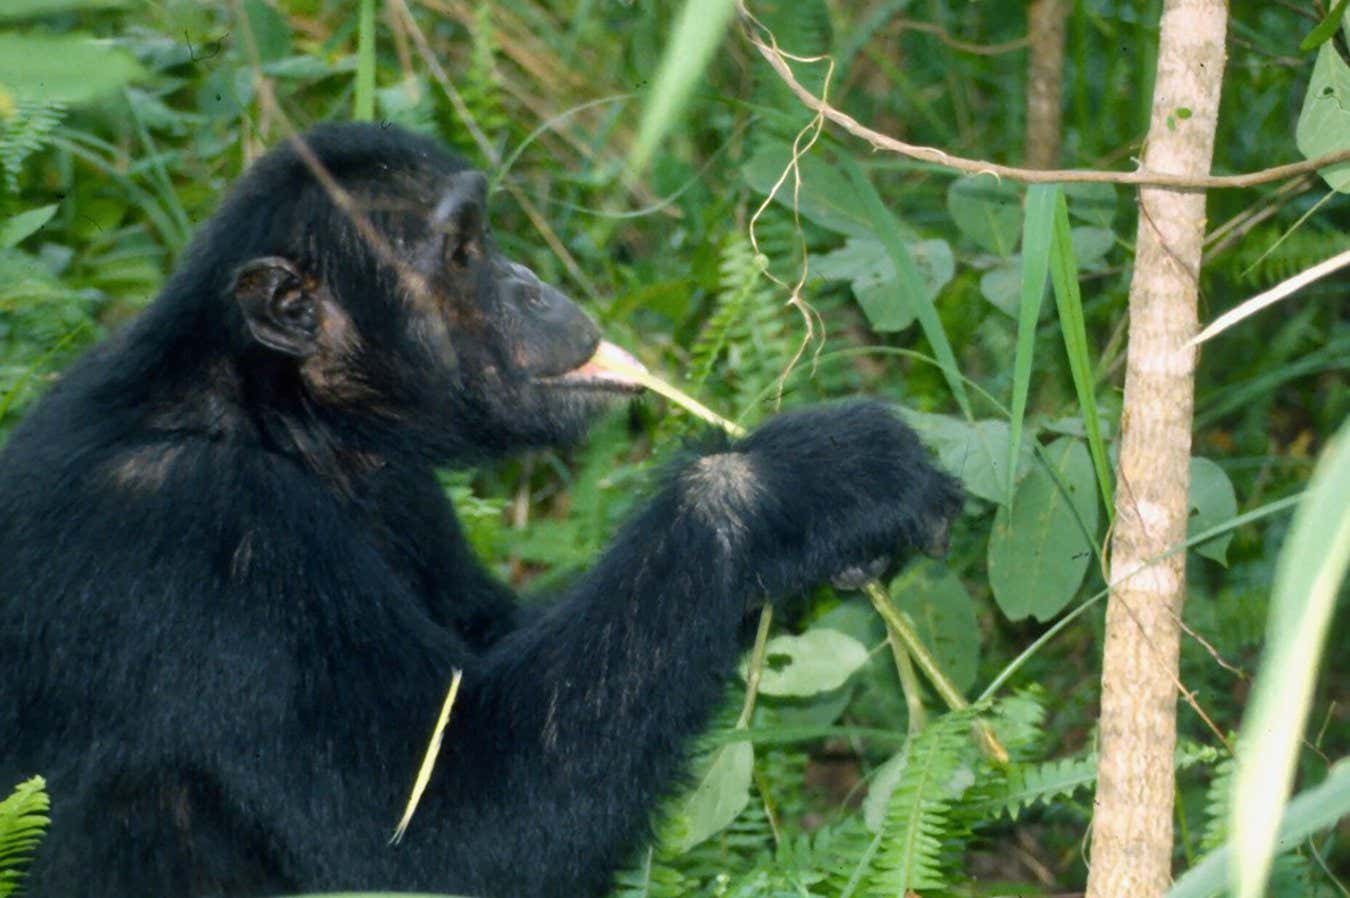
[
  {"x": 1132, "y": 821},
  {"x": 1046, "y": 20}
]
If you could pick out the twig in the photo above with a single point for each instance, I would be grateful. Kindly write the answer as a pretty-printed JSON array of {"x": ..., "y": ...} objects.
[
  {"x": 1141, "y": 178},
  {"x": 1271, "y": 296}
]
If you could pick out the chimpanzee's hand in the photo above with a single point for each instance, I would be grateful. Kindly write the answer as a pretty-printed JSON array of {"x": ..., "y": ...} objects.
[{"x": 833, "y": 491}]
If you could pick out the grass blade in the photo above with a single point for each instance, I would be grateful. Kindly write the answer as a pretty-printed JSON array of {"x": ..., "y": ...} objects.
[
  {"x": 1312, "y": 810},
  {"x": 887, "y": 230},
  {"x": 1037, "y": 228},
  {"x": 1307, "y": 581},
  {"x": 697, "y": 33},
  {"x": 365, "y": 63},
  {"x": 1069, "y": 301}
]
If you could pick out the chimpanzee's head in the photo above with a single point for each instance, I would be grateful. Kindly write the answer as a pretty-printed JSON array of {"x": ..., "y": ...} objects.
[{"x": 364, "y": 293}]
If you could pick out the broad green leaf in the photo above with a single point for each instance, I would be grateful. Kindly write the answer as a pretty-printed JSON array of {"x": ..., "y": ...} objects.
[
  {"x": 879, "y": 790},
  {"x": 1091, "y": 245},
  {"x": 33, "y": 9},
  {"x": 865, "y": 263},
  {"x": 225, "y": 92},
  {"x": 1002, "y": 285},
  {"x": 1038, "y": 552},
  {"x": 1037, "y": 228},
  {"x": 825, "y": 196},
  {"x": 696, "y": 35},
  {"x": 24, "y": 224},
  {"x": 64, "y": 68},
  {"x": 975, "y": 452},
  {"x": 819, "y": 660},
  {"x": 722, "y": 792},
  {"x": 1324, "y": 123},
  {"x": 1212, "y": 502},
  {"x": 270, "y": 30},
  {"x": 1094, "y": 204},
  {"x": 1308, "y": 578},
  {"x": 944, "y": 616},
  {"x": 1312, "y": 810},
  {"x": 987, "y": 211}
]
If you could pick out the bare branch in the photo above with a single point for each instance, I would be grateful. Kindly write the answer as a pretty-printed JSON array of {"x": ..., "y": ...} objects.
[{"x": 763, "y": 41}]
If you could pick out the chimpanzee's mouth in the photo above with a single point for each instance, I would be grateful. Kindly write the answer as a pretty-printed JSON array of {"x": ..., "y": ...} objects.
[{"x": 609, "y": 368}]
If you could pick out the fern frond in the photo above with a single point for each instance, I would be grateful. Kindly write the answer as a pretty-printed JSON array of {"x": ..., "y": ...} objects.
[
  {"x": 1024, "y": 785},
  {"x": 482, "y": 82},
  {"x": 1216, "y": 805},
  {"x": 648, "y": 877},
  {"x": 24, "y": 132},
  {"x": 910, "y": 856},
  {"x": 1019, "y": 721},
  {"x": 1271, "y": 254},
  {"x": 23, "y": 819},
  {"x": 1031, "y": 784},
  {"x": 738, "y": 277}
]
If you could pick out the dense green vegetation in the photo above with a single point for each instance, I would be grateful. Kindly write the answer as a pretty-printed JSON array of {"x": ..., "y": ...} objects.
[{"x": 843, "y": 781}]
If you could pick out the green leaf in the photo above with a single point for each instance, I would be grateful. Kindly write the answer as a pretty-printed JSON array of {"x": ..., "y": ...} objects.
[
  {"x": 697, "y": 33},
  {"x": 1308, "y": 576},
  {"x": 1002, "y": 285},
  {"x": 976, "y": 452},
  {"x": 987, "y": 211},
  {"x": 1091, "y": 245},
  {"x": 880, "y": 789},
  {"x": 944, "y": 616},
  {"x": 1037, "y": 228},
  {"x": 865, "y": 263},
  {"x": 1312, "y": 810},
  {"x": 825, "y": 196},
  {"x": 722, "y": 792},
  {"x": 23, "y": 225},
  {"x": 1212, "y": 502},
  {"x": 1069, "y": 303},
  {"x": 225, "y": 92},
  {"x": 1324, "y": 123},
  {"x": 270, "y": 31},
  {"x": 1094, "y": 204},
  {"x": 62, "y": 68},
  {"x": 818, "y": 660},
  {"x": 1038, "y": 552}
]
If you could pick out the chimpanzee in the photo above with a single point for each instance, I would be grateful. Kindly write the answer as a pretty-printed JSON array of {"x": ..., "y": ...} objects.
[{"x": 232, "y": 593}]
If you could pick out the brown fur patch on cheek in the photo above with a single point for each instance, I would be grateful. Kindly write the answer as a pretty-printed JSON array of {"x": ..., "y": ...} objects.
[{"x": 333, "y": 371}]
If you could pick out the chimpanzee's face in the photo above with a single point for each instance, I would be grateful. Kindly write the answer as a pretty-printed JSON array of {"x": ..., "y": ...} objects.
[{"x": 415, "y": 319}]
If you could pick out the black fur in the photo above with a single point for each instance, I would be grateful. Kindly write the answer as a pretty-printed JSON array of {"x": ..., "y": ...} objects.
[{"x": 232, "y": 594}]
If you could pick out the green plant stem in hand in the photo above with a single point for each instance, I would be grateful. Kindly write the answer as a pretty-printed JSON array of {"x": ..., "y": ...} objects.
[{"x": 898, "y": 625}]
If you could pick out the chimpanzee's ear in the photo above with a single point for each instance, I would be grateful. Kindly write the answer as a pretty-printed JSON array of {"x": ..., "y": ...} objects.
[
  {"x": 461, "y": 216},
  {"x": 281, "y": 311}
]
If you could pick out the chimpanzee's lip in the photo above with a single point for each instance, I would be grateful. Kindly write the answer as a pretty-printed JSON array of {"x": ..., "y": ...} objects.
[{"x": 609, "y": 368}]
